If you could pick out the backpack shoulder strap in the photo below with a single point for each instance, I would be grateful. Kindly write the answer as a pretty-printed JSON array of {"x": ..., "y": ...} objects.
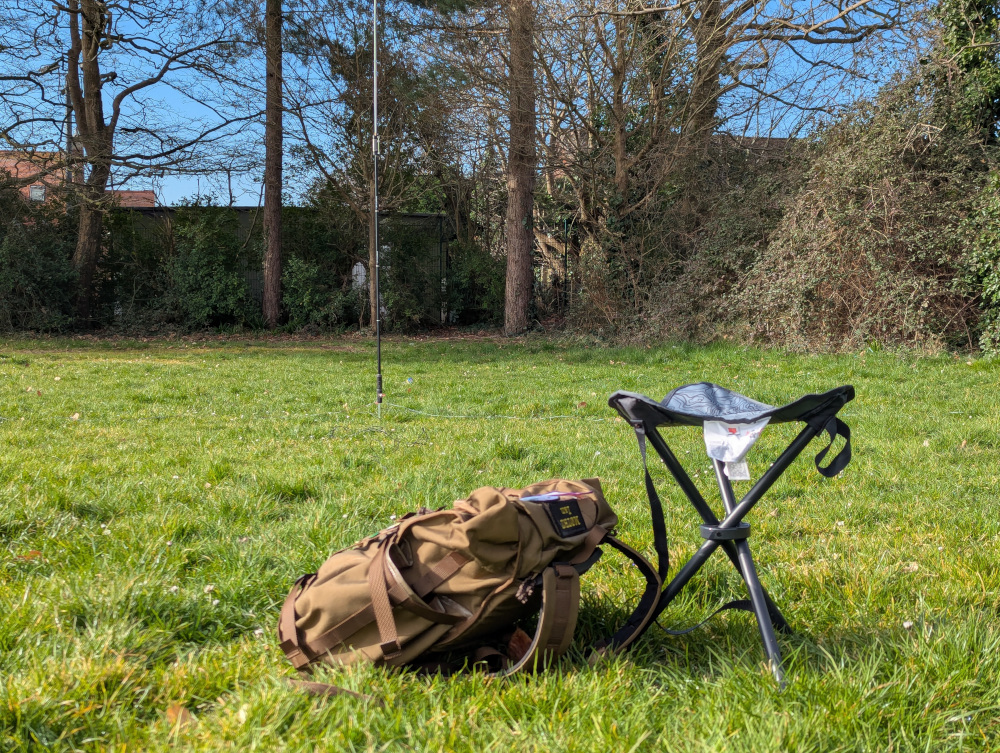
[
  {"x": 556, "y": 621},
  {"x": 640, "y": 619}
]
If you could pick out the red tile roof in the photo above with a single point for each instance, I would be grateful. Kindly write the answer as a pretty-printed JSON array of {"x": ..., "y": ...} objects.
[{"x": 133, "y": 199}]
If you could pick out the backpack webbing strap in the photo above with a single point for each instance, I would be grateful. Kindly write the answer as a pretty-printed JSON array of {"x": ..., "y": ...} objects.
[
  {"x": 288, "y": 634},
  {"x": 556, "y": 621},
  {"x": 382, "y": 607},
  {"x": 833, "y": 426},
  {"x": 642, "y": 616},
  {"x": 655, "y": 507}
]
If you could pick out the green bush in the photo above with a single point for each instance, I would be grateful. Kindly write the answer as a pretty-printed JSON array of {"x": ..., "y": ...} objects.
[
  {"x": 311, "y": 302},
  {"x": 37, "y": 279},
  {"x": 208, "y": 269},
  {"x": 411, "y": 273},
  {"x": 135, "y": 294},
  {"x": 871, "y": 248},
  {"x": 743, "y": 205},
  {"x": 983, "y": 261},
  {"x": 475, "y": 285}
]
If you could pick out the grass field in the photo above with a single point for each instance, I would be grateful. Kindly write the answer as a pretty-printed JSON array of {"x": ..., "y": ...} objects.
[{"x": 157, "y": 499}]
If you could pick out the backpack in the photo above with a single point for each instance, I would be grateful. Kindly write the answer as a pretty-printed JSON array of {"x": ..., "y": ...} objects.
[{"x": 457, "y": 581}]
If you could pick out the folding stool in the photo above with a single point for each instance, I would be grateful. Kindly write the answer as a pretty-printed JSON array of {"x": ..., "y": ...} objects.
[{"x": 692, "y": 405}]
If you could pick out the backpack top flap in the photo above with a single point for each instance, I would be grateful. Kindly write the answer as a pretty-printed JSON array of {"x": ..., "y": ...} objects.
[{"x": 564, "y": 512}]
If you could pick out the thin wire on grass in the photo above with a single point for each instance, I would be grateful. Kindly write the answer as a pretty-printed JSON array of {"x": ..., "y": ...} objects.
[
  {"x": 488, "y": 416},
  {"x": 290, "y": 416}
]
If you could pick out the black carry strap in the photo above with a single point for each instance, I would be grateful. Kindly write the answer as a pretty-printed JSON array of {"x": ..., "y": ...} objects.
[
  {"x": 833, "y": 426},
  {"x": 655, "y": 507},
  {"x": 742, "y": 605}
]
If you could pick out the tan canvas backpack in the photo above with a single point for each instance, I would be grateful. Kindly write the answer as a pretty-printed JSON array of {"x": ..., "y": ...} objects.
[{"x": 452, "y": 581}]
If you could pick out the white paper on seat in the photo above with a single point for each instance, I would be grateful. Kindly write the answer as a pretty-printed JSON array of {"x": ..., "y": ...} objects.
[{"x": 730, "y": 444}]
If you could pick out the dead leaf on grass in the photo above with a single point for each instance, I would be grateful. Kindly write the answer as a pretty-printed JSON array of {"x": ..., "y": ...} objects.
[
  {"x": 179, "y": 716},
  {"x": 28, "y": 556}
]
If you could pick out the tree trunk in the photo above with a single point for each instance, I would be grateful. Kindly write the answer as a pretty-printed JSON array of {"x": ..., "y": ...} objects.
[
  {"x": 88, "y": 243},
  {"x": 706, "y": 85},
  {"x": 272, "y": 166},
  {"x": 619, "y": 115},
  {"x": 520, "y": 167}
]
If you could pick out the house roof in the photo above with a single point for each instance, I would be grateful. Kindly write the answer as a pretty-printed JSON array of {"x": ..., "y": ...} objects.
[
  {"x": 22, "y": 166},
  {"x": 144, "y": 199}
]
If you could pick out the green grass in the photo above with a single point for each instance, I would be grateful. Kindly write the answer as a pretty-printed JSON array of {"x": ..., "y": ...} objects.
[{"x": 145, "y": 547}]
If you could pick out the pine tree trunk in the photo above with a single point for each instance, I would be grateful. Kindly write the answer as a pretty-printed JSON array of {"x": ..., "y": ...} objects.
[
  {"x": 520, "y": 167},
  {"x": 272, "y": 166}
]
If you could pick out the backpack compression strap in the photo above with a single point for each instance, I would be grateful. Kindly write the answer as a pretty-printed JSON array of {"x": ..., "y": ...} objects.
[{"x": 301, "y": 653}]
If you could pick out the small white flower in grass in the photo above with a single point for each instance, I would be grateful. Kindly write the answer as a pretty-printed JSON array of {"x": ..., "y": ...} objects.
[
  {"x": 840, "y": 522},
  {"x": 596, "y": 453},
  {"x": 107, "y": 531},
  {"x": 176, "y": 476},
  {"x": 344, "y": 515},
  {"x": 907, "y": 625},
  {"x": 259, "y": 631},
  {"x": 392, "y": 517},
  {"x": 170, "y": 543},
  {"x": 214, "y": 602},
  {"x": 173, "y": 589},
  {"x": 209, "y": 588},
  {"x": 940, "y": 548}
]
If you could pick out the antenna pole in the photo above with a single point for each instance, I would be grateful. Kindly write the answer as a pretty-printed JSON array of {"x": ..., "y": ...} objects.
[{"x": 375, "y": 156}]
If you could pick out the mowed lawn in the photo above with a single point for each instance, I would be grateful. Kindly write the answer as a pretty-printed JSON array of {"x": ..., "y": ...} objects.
[{"x": 158, "y": 499}]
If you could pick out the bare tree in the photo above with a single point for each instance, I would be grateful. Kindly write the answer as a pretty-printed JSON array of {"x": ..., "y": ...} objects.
[
  {"x": 634, "y": 92},
  {"x": 114, "y": 59}
]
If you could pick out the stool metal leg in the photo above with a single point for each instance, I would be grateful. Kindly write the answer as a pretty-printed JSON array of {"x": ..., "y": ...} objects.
[
  {"x": 749, "y": 572},
  {"x": 774, "y": 615},
  {"x": 767, "y": 636}
]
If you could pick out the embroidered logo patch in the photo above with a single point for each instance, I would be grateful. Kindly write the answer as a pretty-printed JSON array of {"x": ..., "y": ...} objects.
[{"x": 566, "y": 516}]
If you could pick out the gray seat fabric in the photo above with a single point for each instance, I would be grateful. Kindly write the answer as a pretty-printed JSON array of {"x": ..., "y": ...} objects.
[{"x": 693, "y": 404}]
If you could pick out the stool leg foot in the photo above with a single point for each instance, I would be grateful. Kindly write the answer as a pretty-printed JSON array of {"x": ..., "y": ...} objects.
[{"x": 767, "y": 636}]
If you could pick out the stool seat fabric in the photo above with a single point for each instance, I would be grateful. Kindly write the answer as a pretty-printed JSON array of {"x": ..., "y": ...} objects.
[{"x": 693, "y": 404}]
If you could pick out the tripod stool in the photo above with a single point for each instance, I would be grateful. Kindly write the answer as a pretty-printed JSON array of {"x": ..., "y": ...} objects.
[{"x": 693, "y": 405}]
